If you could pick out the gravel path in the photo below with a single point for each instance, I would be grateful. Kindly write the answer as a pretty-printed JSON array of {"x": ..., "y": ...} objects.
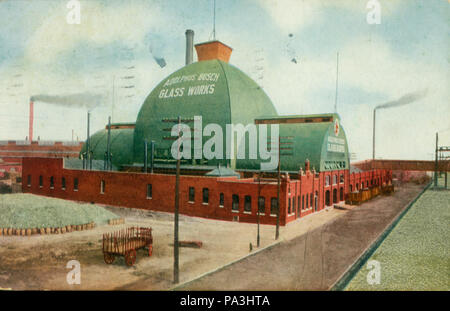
[{"x": 416, "y": 254}]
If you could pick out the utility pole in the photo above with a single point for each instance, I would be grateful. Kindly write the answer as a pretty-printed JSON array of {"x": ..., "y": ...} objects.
[
  {"x": 108, "y": 147},
  {"x": 280, "y": 143},
  {"x": 178, "y": 120},
  {"x": 436, "y": 163},
  {"x": 152, "y": 155},
  {"x": 176, "y": 277},
  {"x": 373, "y": 136},
  {"x": 88, "y": 143},
  {"x": 257, "y": 212},
  {"x": 277, "y": 231},
  {"x": 337, "y": 81},
  {"x": 145, "y": 155}
]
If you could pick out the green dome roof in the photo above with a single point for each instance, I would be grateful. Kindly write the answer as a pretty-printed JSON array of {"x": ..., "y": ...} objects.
[
  {"x": 213, "y": 89},
  {"x": 121, "y": 145}
]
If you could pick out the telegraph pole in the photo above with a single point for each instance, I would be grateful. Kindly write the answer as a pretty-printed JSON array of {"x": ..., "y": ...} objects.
[
  {"x": 285, "y": 142},
  {"x": 373, "y": 135},
  {"x": 176, "y": 277},
  {"x": 257, "y": 212},
  {"x": 277, "y": 231},
  {"x": 436, "y": 163},
  {"x": 108, "y": 147},
  {"x": 178, "y": 120}
]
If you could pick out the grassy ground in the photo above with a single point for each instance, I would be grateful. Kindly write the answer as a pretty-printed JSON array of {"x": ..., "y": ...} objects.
[
  {"x": 24, "y": 211},
  {"x": 416, "y": 254}
]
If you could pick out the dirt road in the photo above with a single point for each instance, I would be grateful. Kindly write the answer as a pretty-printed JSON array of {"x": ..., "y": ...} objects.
[
  {"x": 315, "y": 260},
  {"x": 39, "y": 262}
]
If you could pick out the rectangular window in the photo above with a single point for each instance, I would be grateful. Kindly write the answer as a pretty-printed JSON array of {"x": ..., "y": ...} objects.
[
  {"x": 205, "y": 195},
  {"x": 29, "y": 180},
  {"x": 235, "y": 204},
  {"x": 41, "y": 181},
  {"x": 191, "y": 194},
  {"x": 247, "y": 204},
  {"x": 149, "y": 191},
  {"x": 63, "y": 183},
  {"x": 262, "y": 205},
  {"x": 221, "y": 200},
  {"x": 273, "y": 206},
  {"x": 102, "y": 187},
  {"x": 298, "y": 205},
  {"x": 293, "y": 205},
  {"x": 334, "y": 179},
  {"x": 327, "y": 180},
  {"x": 289, "y": 206},
  {"x": 303, "y": 202},
  {"x": 75, "y": 184},
  {"x": 341, "y": 179},
  {"x": 311, "y": 200},
  {"x": 307, "y": 201},
  {"x": 52, "y": 182}
]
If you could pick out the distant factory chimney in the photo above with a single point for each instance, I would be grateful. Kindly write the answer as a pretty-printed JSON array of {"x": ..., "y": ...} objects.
[
  {"x": 189, "y": 46},
  {"x": 30, "y": 125},
  {"x": 213, "y": 50}
]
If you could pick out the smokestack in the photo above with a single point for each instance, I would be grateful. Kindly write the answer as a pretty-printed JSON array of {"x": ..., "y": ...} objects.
[
  {"x": 30, "y": 126},
  {"x": 189, "y": 46},
  {"x": 88, "y": 147},
  {"x": 108, "y": 145}
]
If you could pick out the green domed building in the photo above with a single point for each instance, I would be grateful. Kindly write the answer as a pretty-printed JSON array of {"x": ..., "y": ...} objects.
[
  {"x": 221, "y": 94},
  {"x": 213, "y": 89}
]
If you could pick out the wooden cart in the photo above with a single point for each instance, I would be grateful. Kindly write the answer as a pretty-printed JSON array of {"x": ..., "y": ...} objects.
[{"x": 125, "y": 242}]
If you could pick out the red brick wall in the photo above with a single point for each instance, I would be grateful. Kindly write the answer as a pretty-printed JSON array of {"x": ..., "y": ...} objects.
[{"x": 130, "y": 190}]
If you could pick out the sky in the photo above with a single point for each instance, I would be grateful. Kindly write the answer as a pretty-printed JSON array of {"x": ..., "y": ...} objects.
[{"x": 408, "y": 52}]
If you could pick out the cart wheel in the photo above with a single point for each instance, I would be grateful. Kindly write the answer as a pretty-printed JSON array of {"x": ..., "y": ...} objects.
[
  {"x": 150, "y": 250},
  {"x": 109, "y": 258},
  {"x": 130, "y": 257}
]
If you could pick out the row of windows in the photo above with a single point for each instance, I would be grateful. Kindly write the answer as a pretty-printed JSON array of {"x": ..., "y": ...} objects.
[
  {"x": 235, "y": 201},
  {"x": 327, "y": 179},
  {"x": 52, "y": 182},
  {"x": 358, "y": 186}
]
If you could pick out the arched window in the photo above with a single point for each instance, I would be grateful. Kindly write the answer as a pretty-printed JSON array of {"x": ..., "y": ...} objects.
[
  {"x": 327, "y": 198},
  {"x": 335, "y": 199}
]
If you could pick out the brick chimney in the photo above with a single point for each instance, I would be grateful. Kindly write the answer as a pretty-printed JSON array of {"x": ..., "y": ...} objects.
[
  {"x": 213, "y": 50},
  {"x": 30, "y": 121}
]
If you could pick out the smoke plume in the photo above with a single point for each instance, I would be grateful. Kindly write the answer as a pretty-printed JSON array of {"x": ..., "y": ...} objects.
[
  {"x": 404, "y": 100},
  {"x": 77, "y": 100}
]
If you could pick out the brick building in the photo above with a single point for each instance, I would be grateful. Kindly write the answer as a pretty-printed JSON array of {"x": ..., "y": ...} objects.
[{"x": 315, "y": 172}]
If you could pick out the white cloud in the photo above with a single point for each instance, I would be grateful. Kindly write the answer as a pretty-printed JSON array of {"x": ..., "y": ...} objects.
[
  {"x": 293, "y": 15},
  {"x": 99, "y": 24}
]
